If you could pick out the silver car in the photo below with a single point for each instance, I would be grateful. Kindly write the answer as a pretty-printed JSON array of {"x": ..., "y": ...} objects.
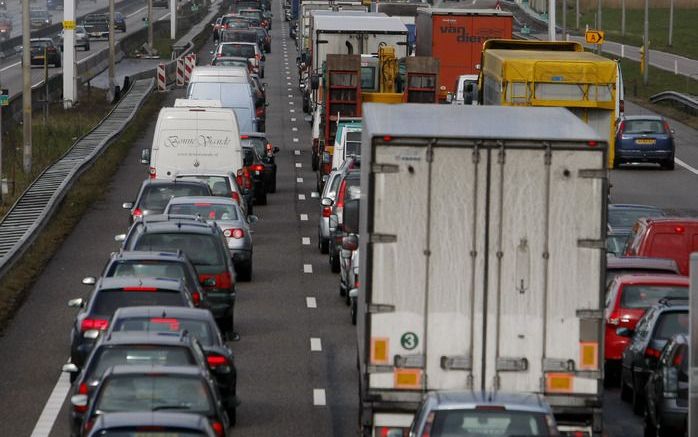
[
  {"x": 82, "y": 38},
  {"x": 483, "y": 413},
  {"x": 329, "y": 195},
  {"x": 226, "y": 213},
  {"x": 222, "y": 183}
]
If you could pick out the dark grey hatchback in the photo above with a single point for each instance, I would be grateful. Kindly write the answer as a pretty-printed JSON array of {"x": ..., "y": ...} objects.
[{"x": 644, "y": 138}]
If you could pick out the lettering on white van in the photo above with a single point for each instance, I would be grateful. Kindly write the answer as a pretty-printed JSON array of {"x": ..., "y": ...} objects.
[{"x": 175, "y": 141}]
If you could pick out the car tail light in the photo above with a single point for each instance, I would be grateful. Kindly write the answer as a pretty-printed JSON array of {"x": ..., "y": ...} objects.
[
  {"x": 258, "y": 167},
  {"x": 196, "y": 298},
  {"x": 152, "y": 173},
  {"x": 679, "y": 229},
  {"x": 652, "y": 353},
  {"x": 137, "y": 212},
  {"x": 82, "y": 390},
  {"x": 667, "y": 128},
  {"x": 172, "y": 324},
  {"x": 90, "y": 324},
  {"x": 259, "y": 112},
  {"x": 217, "y": 428},
  {"x": 357, "y": 284},
  {"x": 247, "y": 182},
  {"x": 222, "y": 280},
  {"x": 426, "y": 432},
  {"x": 621, "y": 106},
  {"x": 236, "y": 233},
  {"x": 235, "y": 196},
  {"x": 621, "y": 127},
  {"x": 340, "y": 200},
  {"x": 215, "y": 360},
  {"x": 390, "y": 431},
  {"x": 326, "y": 211},
  {"x": 238, "y": 178}
]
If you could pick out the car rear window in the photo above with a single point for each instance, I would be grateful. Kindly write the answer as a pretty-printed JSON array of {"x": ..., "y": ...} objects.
[
  {"x": 258, "y": 143},
  {"x": 238, "y": 35},
  {"x": 206, "y": 210},
  {"x": 644, "y": 296},
  {"x": 448, "y": 423},
  {"x": 151, "y": 355},
  {"x": 231, "y": 95},
  {"x": 229, "y": 62},
  {"x": 108, "y": 301},
  {"x": 198, "y": 328},
  {"x": 154, "y": 393},
  {"x": 671, "y": 323},
  {"x": 220, "y": 185},
  {"x": 161, "y": 431},
  {"x": 156, "y": 197},
  {"x": 614, "y": 273},
  {"x": 40, "y": 44},
  {"x": 242, "y": 50},
  {"x": 147, "y": 269},
  {"x": 202, "y": 250},
  {"x": 235, "y": 22},
  {"x": 615, "y": 244},
  {"x": 626, "y": 217},
  {"x": 643, "y": 127}
]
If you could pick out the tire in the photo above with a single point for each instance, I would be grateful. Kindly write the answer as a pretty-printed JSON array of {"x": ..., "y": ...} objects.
[
  {"x": 73, "y": 376},
  {"x": 342, "y": 290},
  {"x": 611, "y": 375},
  {"x": 637, "y": 400},
  {"x": 353, "y": 311},
  {"x": 616, "y": 162},
  {"x": 228, "y": 323},
  {"x": 232, "y": 415},
  {"x": 272, "y": 188},
  {"x": 324, "y": 245},
  {"x": 244, "y": 271},
  {"x": 261, "y": 74},
  {"x": 262, "y": 200},
  {"x": 649, "y": 429},
  {"x": 334, "y": 264},
  {"x": 314, "y": 162},
  {"x": 668, "y": 164},
  {"x": 626, "y": 394}
]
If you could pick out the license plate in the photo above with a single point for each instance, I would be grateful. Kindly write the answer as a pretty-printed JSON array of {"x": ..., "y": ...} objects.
[{"x": 645, "y": 141}]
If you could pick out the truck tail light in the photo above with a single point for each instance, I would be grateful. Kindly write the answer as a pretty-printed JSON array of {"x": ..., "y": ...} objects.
[
  {"x": 152, "y": 173},
  {"x": 259, "y": 112},
  {"x": 196, "y": 298}
]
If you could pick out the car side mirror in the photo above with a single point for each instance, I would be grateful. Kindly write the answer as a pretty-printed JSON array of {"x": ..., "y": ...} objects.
[
  {"x": 354, "y": 293},
  {"x": 76, "y": 303},
  {"x": 252, "y": 219},
  {"x": 325, "y": 178},
  {"x": 350, "y": 242},
  {"x": 89, "y": 280},
  {"x": 145, "y": 156},
  {"x": 326, "y": 201},
  {"x": 120, "y": 237},
  {"x": 127, "y": 205},
  {"x": 70, "y": 368},
  {"x": 625, "y": 332}
]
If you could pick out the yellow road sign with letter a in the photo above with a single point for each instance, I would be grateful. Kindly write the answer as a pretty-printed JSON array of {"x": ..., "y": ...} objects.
[{"x": 594, "y": 36}]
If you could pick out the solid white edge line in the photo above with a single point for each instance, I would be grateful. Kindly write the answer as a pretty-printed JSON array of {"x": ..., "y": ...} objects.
[
  {"x": 137, "y": 12},
  {"x": 10, "y": 66},
  {"x": 315, "y": 344},
  {"x": 304, "y": 217},
  {"x": 310, "y": 302},
  {"x": 319, "y": 398},
  {"x": 307, "y": 268},
  {"x": 686, "y": 166},
  {"x": 305, "y": 241},
  {"x": 53, "y": 406}
]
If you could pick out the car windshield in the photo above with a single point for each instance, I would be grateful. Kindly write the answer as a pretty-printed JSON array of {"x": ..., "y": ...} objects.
[
  {"x": 239, "y": 35},
  {"x": 161, "y": 431},
  {"x": 38, "y": 14},
  {"x": 252, "y": 14},
  {"x": 644, "y": 296},
  {"x": 147, "y": 269},
  {"x": 220, "y": 185},
  {"x": 198, "y": 328},
  {"x": 615, "y": 244},
  {"x": 202, "y": 249},
  {"x": 231, "y": 95},
  {"x": 230, "y": 62},
  {"x": 671, "y": 323},
  {"x": 154, "y": 393},
  {"x": 242, "y": 50},
  {"x": 258, "y": 143},
  {"x": 108, "y": 301},
  {"x": 40, "y": 44},
  {"x": 151, "y": 355},
  {"x": 626, "y": 217},
  {"x": 210, "y": 211},
  {"x": 490, "y": 422},
  {"x": 353, "y": 144},
  {"x": 235, "y": 23},
  {"x": 156, "y": 197},
  {"x": 643, "y": 127}
]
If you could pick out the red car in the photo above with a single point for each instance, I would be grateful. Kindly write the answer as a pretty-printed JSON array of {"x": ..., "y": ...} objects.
[
  {"x": 673, "y": 238},
  {"x": 627, "y": 299}
]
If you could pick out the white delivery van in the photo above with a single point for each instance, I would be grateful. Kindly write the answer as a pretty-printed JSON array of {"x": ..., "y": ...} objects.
[
  {"x": 230, "y": 85},
  {"x": 200, "y": 138}
]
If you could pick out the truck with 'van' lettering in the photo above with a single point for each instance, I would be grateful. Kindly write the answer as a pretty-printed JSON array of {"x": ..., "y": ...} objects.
[{"x": 455, "y": 38}]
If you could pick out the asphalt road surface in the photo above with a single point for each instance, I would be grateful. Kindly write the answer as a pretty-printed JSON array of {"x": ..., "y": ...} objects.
[{"x": 296, "y": 358}]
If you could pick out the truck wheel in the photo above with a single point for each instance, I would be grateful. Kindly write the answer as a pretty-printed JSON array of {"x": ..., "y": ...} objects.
[{"x": 87, "y": 47}]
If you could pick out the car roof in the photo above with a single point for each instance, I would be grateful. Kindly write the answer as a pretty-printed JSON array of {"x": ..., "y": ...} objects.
[
  {"x": 112, "y": 282},
  {"x": 447, "y": 400},
  {"x": 206, "y": 173},
  {"x": 145, "y": 337},
  {"x": 639, "y": 262},
  {"x": 149, "y": 370},
  {"x": 668, "y": 220},
  {"x": 167, "y": 223},
  {"x": 643, "y": 117},
  {"x": 642, "y": 278},
  {"x": 179, "y": 255},
  {"x": 218, "y": 200},
  {"x": 634, "y": 206},
  {"x": 172, "y": 182},
  {"x": 163, "y": 312},
  {"x": 152, "y": 418},
  {"x": 252, "y": 134}
]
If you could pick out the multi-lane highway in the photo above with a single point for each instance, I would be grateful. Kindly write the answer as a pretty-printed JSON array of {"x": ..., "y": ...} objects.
[{"x": 296, "y": 357}]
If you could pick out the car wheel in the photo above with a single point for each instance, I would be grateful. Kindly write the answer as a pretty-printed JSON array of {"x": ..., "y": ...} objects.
[
  {"x": 244, "y": 271},
  {"x": 57, "y": 64},
  {"x": 342, "y": 290},
  {"x": 353, "y": 311},
  {"x": 262, "y": 74},
  {"x": 227, "y": 323},
  {"x": 272, "y": 187},
  {"x": 611, "y": 375},
  {"x": 232, "y": 415},
  {"x": 324, "y": 245},
  {"x": 625, "y": 392},
  {"x": 262, "y": 199},
  {"x": 334, "y": 264},
  {"x": 637, "y": 401},
  {"x": 650, "y": 430},
  {"x": 668, "y": 164}
]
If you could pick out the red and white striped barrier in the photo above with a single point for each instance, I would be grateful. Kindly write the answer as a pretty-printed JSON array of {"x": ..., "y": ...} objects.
[
  {"x": 189, "y": 64},
  {"x": 180, "y": 72},
  {"x": 161, "y": 77}
]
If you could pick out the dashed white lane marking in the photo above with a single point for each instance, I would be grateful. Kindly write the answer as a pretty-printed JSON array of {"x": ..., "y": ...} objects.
[
  {"x": 314, "y": 194},
  {"x": 294, "y": 129},
  {"x": 297, "y": 152},
  {"x": 288, "y": 83},
  {"x": 299, "y": 165},
  {"x": 305, "y": 241},
  {"x": 291, "y": 103},
  {"x": 301, "y": 197},
  {"x": 52, "y": 408},
  {"x": 295, "y": 140},
  {"x": 307, "y": 268},
  {"x": 319, "y": 399},
  {"x": 293, "y": 119},
  {"x": 290, "y": 96},
  {"x": 686, "y": 166},
  {"x": 288, "y": 77},
  {"x": 290, "y": 89},
  {"x": 310, "y": 302},
  {"x": 291, "y": 110},
  {"x": 315, "y": 344},
  {"x": 304, "y": 217},
  {"x": 299, "y": 180}
]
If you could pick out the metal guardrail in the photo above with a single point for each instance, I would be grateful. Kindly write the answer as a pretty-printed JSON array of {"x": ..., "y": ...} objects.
[
  {"x": 31, "y": 211},
  {"x": 686, "y": 100}
]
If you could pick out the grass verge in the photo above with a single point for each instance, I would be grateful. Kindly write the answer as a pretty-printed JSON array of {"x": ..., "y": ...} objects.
[
  {"x": 88, "y": 189},
  {"x": 683, "y": 41}
]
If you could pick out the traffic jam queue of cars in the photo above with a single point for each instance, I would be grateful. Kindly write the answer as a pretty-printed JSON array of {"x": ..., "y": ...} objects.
[{"x": 151, "y": 337}]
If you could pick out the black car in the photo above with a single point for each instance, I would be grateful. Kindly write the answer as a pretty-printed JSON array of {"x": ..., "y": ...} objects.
[
  {"x": 644, "y": 138},
  {"x": 44, "y": 51},
  {"x": 111, "y": 294},
  {"x": 119, "y": 21},
  {"x": 156, "y": 193},
  {"x": 133, "y": 389},
  {"x": 206, "y": 247},
  {"x": 160, "y": 423},
  {"x": 666, "y": 404},
  {"x": 198, "y": 323},
  {"x": 132, "y": 348},
  {"x": 661, "y": 322},
  {"x": 263, "y": 39},
  {"x": 168, "y": 265},
  {"x": 254, "y": 165},
  {"x": 267, "y": 152}
]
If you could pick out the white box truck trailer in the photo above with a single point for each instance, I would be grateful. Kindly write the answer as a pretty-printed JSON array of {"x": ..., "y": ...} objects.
[{"x": 482, "y": 259}]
